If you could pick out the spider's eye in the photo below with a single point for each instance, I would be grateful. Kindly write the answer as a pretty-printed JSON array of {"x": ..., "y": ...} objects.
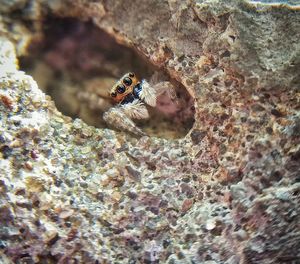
[
  {"x": 131, "y": 74},
  {"x": 114, "y": 94},
  {"x": 127, "y": 81},
  {"x": 121, "y": 89}
]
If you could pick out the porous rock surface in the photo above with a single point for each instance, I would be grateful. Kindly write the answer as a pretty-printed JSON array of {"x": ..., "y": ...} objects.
[{"x": 226, "y": 193}]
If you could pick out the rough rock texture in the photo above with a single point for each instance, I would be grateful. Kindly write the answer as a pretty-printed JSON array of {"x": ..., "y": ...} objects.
[{"x": 228, "y": 192}]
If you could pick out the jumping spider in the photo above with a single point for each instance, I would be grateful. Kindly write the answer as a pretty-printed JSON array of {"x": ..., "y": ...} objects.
[{"x": 132, "y": 96}]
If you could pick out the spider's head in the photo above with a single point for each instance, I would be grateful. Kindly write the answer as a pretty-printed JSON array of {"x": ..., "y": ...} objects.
[{"x": 123, "y": 87}]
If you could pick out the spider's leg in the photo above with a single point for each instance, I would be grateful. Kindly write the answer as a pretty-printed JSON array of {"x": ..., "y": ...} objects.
[
  {"x": 119, "y": 117},
  {"x": 148, "y": 94},
  {"x": 135, "y": 110},
  {"x": 167, "y": 87},
  {"x": 94, "y": 101}
]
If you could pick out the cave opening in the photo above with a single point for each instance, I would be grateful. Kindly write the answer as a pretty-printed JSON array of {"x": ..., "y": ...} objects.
[{"x": 77, "y": 63}]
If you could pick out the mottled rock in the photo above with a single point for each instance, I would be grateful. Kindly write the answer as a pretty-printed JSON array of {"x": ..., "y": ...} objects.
[{"x": 227, "y": 192}]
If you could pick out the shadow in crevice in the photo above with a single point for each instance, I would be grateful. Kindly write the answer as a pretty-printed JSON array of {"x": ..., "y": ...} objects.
[{"x": 77, "y": 63}]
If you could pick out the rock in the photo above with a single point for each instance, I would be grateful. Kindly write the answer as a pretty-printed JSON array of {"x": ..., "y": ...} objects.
[{"x": 226, "y": 192}]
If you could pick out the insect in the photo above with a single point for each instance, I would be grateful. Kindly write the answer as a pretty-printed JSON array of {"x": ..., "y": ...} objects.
[{"x": 132, "y": 96}]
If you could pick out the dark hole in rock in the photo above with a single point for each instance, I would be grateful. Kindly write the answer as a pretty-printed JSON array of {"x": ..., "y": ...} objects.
[{"x": 77, "y": 63}]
